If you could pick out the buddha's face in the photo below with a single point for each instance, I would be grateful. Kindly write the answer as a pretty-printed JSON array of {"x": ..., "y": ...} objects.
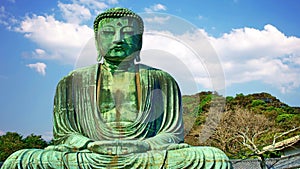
[{"x": 119, "y": 39}]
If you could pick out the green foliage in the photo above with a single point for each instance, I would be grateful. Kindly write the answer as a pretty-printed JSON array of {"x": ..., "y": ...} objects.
[
  {"x": 203, "y": 106},
  {"x": 9, "y": 143},
  {"x": 258, "y": 103},
  {"x": 12, "y": 142},
  {"x": 284, "y": 118},
  {"x": 204, "y": 103},
  {"x": 239, "y": 95},
  {"x": 200, "y": 120},
  {"x": 273, "y": 154},
  {"x": 229, "y": 99},
  {"x": 33, "y": 141},
  {"x": 289, "y": 109}
]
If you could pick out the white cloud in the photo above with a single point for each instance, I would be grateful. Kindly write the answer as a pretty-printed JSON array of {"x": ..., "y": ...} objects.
[
  {"x": 171, "y": 53},
  {"x": 257, "y": 43},
  {"x": 63, "y": 40},
  {"x": 295, "y": 59},
  {"x": 3, "y": 16},
  {"x": 82, "y": 10},
  {"x": 2, "y": 132},
  {"x": 266, "y": 55},
  {"x": 156, "y": 19},
  {"x": 155, "y": 8},
  {"x": 95, "y": 5},
  {"x": 12, "y": 1},
  {"x": 246, "y": 55},
  {"x": 6, "y": 18},
  {"x": 40, "y": 51},
  {"x": 38, "y": 67},
  {"x": 40, "y": 54},
  {"x": 113, "y": 1},
  {"x": 200, "y": 17},
  {"x": 74, "y": 13},
  {"x": 2, "y": 9},
  {"x": 159, "y": 7}
]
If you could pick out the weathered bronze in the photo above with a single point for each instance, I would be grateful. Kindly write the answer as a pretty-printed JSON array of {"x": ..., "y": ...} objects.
[{"x": 118, "y": 114}]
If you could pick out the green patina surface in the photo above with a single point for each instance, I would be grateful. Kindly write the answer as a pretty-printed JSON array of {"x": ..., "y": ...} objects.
[{"x": 118, "y": 114}]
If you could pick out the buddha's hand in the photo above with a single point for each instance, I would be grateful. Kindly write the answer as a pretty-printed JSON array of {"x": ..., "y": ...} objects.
[
  {"x": 101, "y": 147},
  {"x": 134, "y": 146},
  {"x": 61, "y": 148},
  {"x": 118, "y": 147}
]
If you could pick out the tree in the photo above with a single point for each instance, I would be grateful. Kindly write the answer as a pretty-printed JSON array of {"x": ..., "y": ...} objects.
[
  {"x": 34, "y": 141},
  {"x": 243, "y": 134},
  {"x": 238, "y": 127},
  {"x": 9, "y": 143},
  {"x": 12, "y": 142}
]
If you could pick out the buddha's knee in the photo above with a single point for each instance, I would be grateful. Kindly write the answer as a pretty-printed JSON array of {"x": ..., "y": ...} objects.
[
  {"x": 16, "y": 155},
  {"x": 13, "y": 160},
  {"x": 211, "y": 152},
  {"x": 33, "y": 158}
]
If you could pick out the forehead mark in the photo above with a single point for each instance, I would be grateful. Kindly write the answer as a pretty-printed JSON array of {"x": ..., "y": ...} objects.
[{"x": 119, "y": 24}]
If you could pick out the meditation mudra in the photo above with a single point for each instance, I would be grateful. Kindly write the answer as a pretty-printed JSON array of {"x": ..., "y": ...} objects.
[{"x": 118, "y": 113}]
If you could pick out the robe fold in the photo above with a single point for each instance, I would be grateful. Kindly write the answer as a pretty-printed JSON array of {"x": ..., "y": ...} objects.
[{"x": 78, "y": 122}]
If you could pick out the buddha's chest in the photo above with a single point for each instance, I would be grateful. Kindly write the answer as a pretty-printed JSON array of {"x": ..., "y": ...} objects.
[{"x": 118, "y": 98}]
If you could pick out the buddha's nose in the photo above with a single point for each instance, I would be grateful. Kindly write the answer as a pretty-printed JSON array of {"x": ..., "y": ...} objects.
[{"x": 118, "y": 38}]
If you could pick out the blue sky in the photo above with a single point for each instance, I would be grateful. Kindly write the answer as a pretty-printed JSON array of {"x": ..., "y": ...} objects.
[{"x": 256, "y": 42}]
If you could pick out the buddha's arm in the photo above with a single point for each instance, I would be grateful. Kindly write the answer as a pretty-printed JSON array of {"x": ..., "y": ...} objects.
[
  {"x": 66, "y": 131},
  {"x": 171, "y": 129}
]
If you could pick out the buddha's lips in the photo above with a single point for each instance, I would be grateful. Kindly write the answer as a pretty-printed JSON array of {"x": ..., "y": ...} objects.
[{"x": 118, "y": 48}]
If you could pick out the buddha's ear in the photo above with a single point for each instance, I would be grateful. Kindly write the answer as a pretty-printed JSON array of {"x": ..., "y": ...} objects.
[
  {"x": 139, "y": 47},
  {"x": 99, "y": 57},
  {"x": 137, "y": 57}
]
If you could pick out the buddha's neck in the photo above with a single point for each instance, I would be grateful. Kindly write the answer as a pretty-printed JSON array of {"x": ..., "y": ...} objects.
[{"x": 124, "y": 66}]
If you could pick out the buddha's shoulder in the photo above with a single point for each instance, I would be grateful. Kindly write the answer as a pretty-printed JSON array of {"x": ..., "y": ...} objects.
[
  {"x": 154, "y": 72},
  {"x": 83, "y": 71}
]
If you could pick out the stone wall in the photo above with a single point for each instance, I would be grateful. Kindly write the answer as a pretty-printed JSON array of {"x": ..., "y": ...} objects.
[{"x": 292, "y": 161}]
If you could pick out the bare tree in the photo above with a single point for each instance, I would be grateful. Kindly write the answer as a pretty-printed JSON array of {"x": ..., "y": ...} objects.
[{"x": 243, "y": 133}]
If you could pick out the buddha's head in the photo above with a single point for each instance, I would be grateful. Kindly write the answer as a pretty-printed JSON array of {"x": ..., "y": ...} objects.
[{"x": 118, "y": 33}]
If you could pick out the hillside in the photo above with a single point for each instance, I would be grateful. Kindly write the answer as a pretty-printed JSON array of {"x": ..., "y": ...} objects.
[{"x": 207, "y": 115}]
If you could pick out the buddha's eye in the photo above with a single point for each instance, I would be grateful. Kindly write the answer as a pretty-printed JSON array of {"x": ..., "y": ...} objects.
[
  {"x": 128, "y": 31},
  {"x": 107, "y": 31}
]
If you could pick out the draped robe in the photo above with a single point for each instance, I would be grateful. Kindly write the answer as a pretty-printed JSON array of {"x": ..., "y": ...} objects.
[{"x": 78, "y": 121}]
